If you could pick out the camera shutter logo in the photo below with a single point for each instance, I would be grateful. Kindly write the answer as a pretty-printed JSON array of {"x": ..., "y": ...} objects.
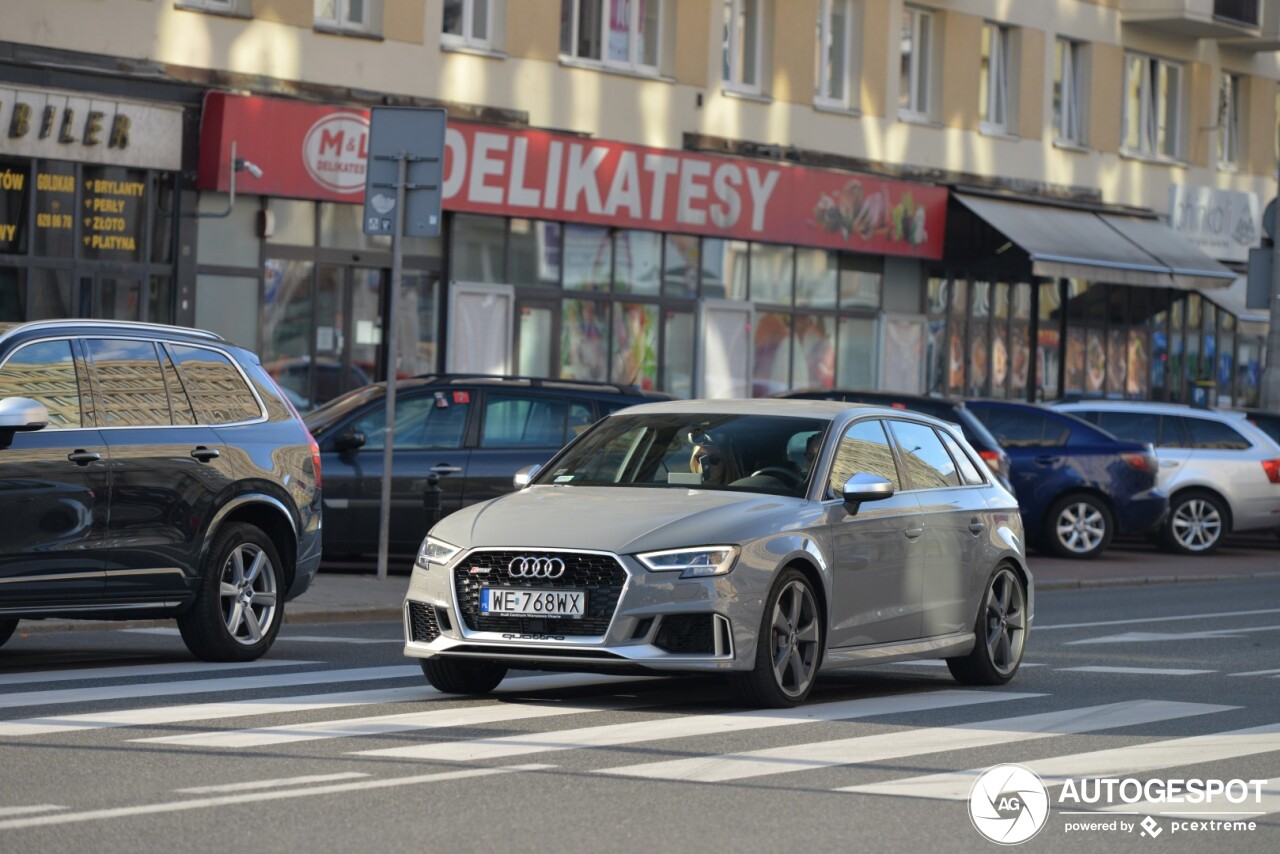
[
  {"x": 1008, "y": 804},
  {"x": 535, "y": 567}
]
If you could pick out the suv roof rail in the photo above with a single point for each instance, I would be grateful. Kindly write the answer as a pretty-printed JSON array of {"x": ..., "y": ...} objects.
[
  {"x": 536, "y": 382},
  {"x": 116, "y": 324}
]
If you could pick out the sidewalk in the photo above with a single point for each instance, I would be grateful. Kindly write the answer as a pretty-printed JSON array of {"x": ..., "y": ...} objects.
[{"x": 354, "y": 593}]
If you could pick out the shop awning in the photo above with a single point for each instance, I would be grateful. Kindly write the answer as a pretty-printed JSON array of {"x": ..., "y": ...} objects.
[
  {"x": 1232, "y": 299},
  {"x": 1105, "y": 247}
]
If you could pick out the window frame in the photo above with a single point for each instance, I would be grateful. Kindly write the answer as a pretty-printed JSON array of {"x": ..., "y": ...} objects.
[
  {"x": 80, "y": 370},
  {"x": 225, "y": 7},
  {"x": 634, "y": 64},
  {"x": 466, "y": 38},
  {"x": 339, "y": 23},
  {"x": 1068, "y": 125},
  {"x": 1229, "y": 124},
  {"x": 920, "y": 90},
  {"x": 823, "y": 80},
  {"x": 997, "y": 53},
  {"x": 733, "y": 72},
  {"x": 1154, "y": 69}
]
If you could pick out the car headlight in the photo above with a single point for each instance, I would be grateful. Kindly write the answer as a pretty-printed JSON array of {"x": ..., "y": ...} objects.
[
  {"x": 692, "y": 563},
  {"x": 435, "y": 551}
]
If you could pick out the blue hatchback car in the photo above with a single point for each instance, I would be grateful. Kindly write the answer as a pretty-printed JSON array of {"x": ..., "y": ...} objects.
[{"x": 1077, "y": 485}]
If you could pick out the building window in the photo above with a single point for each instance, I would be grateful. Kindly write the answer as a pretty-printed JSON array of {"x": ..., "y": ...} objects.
[
  {"x": 1068, "y": 91},
  {"x": 740, "y": 68},
  {"x": 916, "y": 40},
  {"x": 835, "y": 52},
  {"x": 345, "y": 15},
  {"x": 993, "y": 88},
  {"x": 1152, "y": 107},
  {"x": 229, "y": 6},
  {"x": 1229, "y": 126},
  {"x": 616, "y": 33},
  {"x": 467, "y": 23}
]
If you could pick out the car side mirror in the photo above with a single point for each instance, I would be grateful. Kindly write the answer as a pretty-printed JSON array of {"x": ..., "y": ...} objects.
[
  {"x": 350, "y": 440},
  {"x": 525, "y": 475},
  {"x": 866, "y": 487},
  {"x": 22, "y": 414}
]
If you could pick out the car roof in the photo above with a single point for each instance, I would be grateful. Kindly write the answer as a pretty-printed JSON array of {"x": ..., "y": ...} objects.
[
  {"x": 593, "y": 386},
  {"x": 83, "y": 324},
  {"x": 1153, "y": 408},
  {"x": 871, "y": 394},
  {"x": 801, "y": 408}
]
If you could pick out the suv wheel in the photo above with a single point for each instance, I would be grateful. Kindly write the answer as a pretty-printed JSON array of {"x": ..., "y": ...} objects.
[
  {"x": 7, "y": 628},
  {"x": 788, "y": 646},
  {"x": 1078, "y": 526},
  {"x": 1000, "y": 633},
  {"x": 239, "y": 603},
  {"x": 1196, "y": 524},
  {"x": 463, "y": 677}
]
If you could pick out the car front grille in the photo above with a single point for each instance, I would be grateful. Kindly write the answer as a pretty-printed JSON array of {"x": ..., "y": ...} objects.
[
  {"x": 422, "y": 622},
  {"x": 687, "y": 634},
  {"x": 601, "y": 576}
]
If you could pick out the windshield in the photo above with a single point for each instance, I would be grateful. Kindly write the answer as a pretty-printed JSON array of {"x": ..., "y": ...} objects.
[
  {"x": 747, "y": 453},
  {"x": 319, "y": 420}
]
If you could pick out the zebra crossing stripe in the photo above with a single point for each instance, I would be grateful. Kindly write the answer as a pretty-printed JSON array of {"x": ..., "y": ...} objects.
[
  {"x": 1136, "y": 671},
  {"x": 913, "y": 742},
  {"x": 146, "y": 670},
  {"x": 279, "y": 783},
  {"x": 1128, "y": 760},
  {"x": 6, "y": 812},
  {"x": 614, "y": 735}
]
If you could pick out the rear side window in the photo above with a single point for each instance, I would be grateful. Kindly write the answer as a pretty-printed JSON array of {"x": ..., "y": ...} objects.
[
  {"x": 217, "y": 389},
  {"x": 422, "y": 422},
  {"x": 864, "y": 448},
  {"x": 1021, "y": 429},
  {"x": 518, "y": 421},
  {"x": 929, "y": 466},
  {"x": 1213, "y": 435},
  {"x": 968, "y": 471},
  {"x": 131, "y": 386},
  {"x": 46, "y": 373},
  {"x": 1129, "y": 426}
]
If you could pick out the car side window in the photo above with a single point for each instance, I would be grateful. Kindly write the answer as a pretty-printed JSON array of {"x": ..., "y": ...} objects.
[
  {"x": 1129, "y": 426},
  {"x": 969, "y": 473},
  {"x": 46, "y": 373},
  {"x": 1214, "y": 435},
  {"x": 218, "y": 392},
  {"x": 1173, "y": 433},
  {"x": 423, "y": 422},
  {"x": 864, "y": 447},
  {"x": 580, "y": 418},
  {"x": 179, "y": 402},
  {"x": 1013, "y": 429},
  {"x": 519, "y": 421},
  {"x": 929, "y": 466},
  {"x": 131, "y": 386}
]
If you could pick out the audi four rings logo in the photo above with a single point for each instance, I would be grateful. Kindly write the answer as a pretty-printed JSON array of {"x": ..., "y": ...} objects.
[{"x": 536, "y": 567}]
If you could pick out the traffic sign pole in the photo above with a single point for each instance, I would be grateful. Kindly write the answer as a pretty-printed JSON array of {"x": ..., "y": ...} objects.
[
  {"x": 1270, "y": 391},
  {"x": 393, "y": 300}
]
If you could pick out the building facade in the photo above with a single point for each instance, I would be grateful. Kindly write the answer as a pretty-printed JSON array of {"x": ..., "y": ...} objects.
[{"x": 711, "y": 197}]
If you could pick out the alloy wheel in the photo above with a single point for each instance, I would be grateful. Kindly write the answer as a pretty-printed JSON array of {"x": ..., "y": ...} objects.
[
  {"x": 1196, "y": 524},
  {"x": 795, "y": 638},
  {"x": 1081, "y": 527},
  {"x": 1006, "y": 621},
  {"x": 247, "y": 591}
]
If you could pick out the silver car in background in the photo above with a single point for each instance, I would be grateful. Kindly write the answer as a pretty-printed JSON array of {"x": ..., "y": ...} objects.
[
  {"x": 1221, "y": 473},
  {"x": 762, "y": 539}
]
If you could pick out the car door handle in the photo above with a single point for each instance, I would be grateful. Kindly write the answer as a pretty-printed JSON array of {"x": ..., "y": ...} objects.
[
  {"x": 976, "y": 527},
  {"x": 204, "y": 454},
  {"x": 913, "y": 533},
  {"x": 81, "y": 457},
  {"x": 1169, "y": 464},
  {"x": 445, "y": 468}
]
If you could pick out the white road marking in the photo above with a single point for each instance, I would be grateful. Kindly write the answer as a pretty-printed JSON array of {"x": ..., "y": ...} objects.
[
  {"x": 258, "y": 797},
  {"x": 5, "y": 812},
  {"x": 1127, "y": 761},
  {"x": 1150, "y": 671},
  {"x": 1147, "y": 637},
  {"x": 939, "y": 662},
  {"x": 1258, "y": 673},
  {"x": 323, "y": 639},
  {"x": 1131, "y": 621},
  {"x": 133, "y": 671},
  {"x": 251, "y": 785},
  {"x": 913, "y": 742},
  {"x": 615, "y": 735}
]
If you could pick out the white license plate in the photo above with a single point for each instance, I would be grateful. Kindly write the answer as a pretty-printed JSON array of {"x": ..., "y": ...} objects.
[{"x": 505, "y": 601}]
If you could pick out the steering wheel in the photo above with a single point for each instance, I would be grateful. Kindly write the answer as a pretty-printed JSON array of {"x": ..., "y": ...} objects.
[{"x": 787, "y": 476}]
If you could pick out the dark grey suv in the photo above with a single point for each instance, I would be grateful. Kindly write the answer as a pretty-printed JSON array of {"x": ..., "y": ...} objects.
[{"x": 151, "y": 471}]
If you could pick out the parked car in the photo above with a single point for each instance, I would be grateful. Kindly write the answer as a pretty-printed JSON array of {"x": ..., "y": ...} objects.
[
  {"x": 1221, "y": 473},
  {"x": 955, "y": 411},
  {"x": 722, "y": 537},
  {"x": 1077, "y": 485},
  {"x": 152, "y": 471},
  {"x": 465, "y": 435}
]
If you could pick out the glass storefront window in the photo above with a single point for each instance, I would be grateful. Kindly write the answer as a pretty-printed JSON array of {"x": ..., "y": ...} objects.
[
  {"x": 1139, "y": 365},
  {"x": 295, "y": 222},
  {"x": 681, "y": 256},
  {"x": 1073, "y": 374},
  {"x": 533, "y": 255},
  {"x": 159, "y": 300},
  {"x": 1209, "y": 350},
  {"x": 13, "y": 294},
  {"x": 588, "y": 258},
  {"x": 1176, "y": 339},
  {"x": 938, "y": 292},
  {"x": 955, "y": 356},
  {"x": 342, "y": 227},
  {"x": 980, "y": 341},
  {"x": 286, "y": 322},
  {"x": 772, "y": 366},
  {"x": 637, "y": 259},
  {"x": 1226, "y": 357},
  {"x": 724, "y": 269},
  {"x": 416, "y": 323},
  {"x": 1049, "y": 359},
  {"x": 772, "y": 273},
  {"x": 677, "y": 350},
  {"x": 51, "y": 295},
  {"x": 1248, "y": 369},
  {"x": 55, "y": 209},
  {"x": 856, "y": 357},
  {"x": 815, "y": 357},
  {"x": 1095, "y": 362},
  {"x": 635, "y": 345},
  {"x": 861, "y": 281},
  {"x": 817, "y": 272},
  {"x": 584, "y": 340},
  {"x": 534, "y": 356},
  {"x": 1117, "y": 362},
  {"x": 1159, "y": 354},
  {"x": 478, "y": 249}
]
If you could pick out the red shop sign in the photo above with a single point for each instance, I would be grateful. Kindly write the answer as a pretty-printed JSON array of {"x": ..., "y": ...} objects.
[{"x": 313, "y": 151}]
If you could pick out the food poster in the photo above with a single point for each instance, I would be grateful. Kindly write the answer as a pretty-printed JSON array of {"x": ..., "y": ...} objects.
[
  {"x": 635, "y": 345},
  {"x": 772, "y": 353},
  {"x": 937, "y": 355},
  {"x": 1095, "y": 362},
  {"x": 1019, "y": 359},
  {"x": 978, "y": 359},
  {"x": 999, "y": 360},
  {"x": 1073, "y": 381},
  {"x": 584, "y": 340},
  {"x": 955, "y": 357},
  {"x": 1048, "y": 356},
  {"x": 816, "y": 351},
  {"x": 1139, "y": 365},
  {"x": 1117, "y": 362}
]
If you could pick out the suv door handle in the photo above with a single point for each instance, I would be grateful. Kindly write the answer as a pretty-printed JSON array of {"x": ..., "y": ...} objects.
[
  {"x": 81, "y": 457},
  {"x": 913, "y": 533},
  {"x": 204, "y": 454},
  {"x": 445, "y": 468},
  {"x": 976, "y": 527}
]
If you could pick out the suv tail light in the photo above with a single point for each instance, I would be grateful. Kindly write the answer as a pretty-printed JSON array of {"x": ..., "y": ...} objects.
[
  {"x": 1141, "y": 461},
  {"x": 1272, "y": 468},
  {"x": 315, "y": 457}
]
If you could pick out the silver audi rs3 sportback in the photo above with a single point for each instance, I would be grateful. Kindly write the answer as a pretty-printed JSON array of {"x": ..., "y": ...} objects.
[{"x": 762, "y": 539}]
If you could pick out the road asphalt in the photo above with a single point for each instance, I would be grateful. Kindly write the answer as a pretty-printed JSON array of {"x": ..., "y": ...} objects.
[{"x": 352, "y": 592}]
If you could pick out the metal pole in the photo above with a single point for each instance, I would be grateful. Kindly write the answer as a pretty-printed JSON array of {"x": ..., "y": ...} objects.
[
  {"x": 393, "y": 299},
  {"x": 1270, "y": 391}
]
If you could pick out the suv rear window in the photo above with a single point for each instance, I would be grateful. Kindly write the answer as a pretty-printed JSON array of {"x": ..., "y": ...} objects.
[
  {"x": 217, "y": 390},
  {"x": 131, "y": 386},
  {"x": 1213, "y": 435}
]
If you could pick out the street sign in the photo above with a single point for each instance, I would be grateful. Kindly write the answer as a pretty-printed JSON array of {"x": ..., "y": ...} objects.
[
  {"x": 417, "y": 134},
  {"x": 1258, "y": 288}
]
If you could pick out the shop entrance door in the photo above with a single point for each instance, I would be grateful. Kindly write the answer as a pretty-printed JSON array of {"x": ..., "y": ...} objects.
[
  {"x": 537, "y": 334},
  {"x": 724, "y": 348},
  {"x": 348, "y": 350}
]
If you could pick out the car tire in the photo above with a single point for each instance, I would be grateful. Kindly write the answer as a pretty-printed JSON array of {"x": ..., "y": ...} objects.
[
  {"x": 7, "y": 628},
  {"x": 239, "y": 602},
  {"x": 788, "y": 647},
  {"x": 1196, "y": 524},
  {"x": 1000, "y": 633},
  {"x": 1078, "y": 526},
  {"x": 463, "y": 677}
]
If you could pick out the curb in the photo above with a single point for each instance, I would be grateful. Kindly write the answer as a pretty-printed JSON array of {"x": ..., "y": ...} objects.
[{"x": 1087, "y": 583}]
